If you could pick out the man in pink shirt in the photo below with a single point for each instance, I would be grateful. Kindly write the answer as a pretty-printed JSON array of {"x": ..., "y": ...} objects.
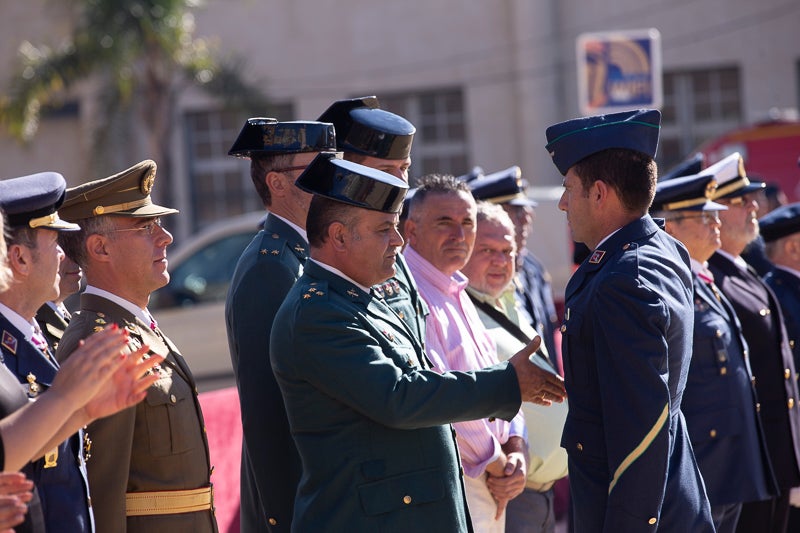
[{"x": 441, "y": 233}]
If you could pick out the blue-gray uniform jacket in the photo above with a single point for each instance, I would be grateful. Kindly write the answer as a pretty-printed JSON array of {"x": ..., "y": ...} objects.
[
  {"x": 771, "y": 361},
  {"x": 60, "y": 476},
  {"x": 627, "y": 344},
  {"x": 370, "y": 422},
  {"x": 719, "y": 404},
  {"x": 535, "y": 292},
  {"x": 270, "y": 468},
  {"x": 786, "y": 287}
]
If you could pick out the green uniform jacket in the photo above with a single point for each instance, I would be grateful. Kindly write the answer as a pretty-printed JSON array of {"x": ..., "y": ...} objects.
[
  {"x": 157, "y": 445},
  {"x": 370, "y": 423}
]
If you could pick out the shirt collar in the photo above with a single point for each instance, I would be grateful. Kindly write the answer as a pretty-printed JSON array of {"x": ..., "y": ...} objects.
[
  {"x": 142, "y": 314},
  {"x": 18, "y": 321},
  {"x": 738, "y": 261},
  {"x": 340, "y": 274},
  {"x": 440, "y": 281}
]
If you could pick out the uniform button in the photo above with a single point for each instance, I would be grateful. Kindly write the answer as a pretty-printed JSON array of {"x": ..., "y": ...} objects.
[
  {"x": 718, "y": 333},
  {"x": 172, "y": 398},
  {"x": 763, "y": 312},
  {"x": 563, "y": 328},
  {"x": 758, "y": 408},
  {"x": 790, "y": 403},
  {"x": 652, "y": 521},
  {"x": 753, "y": 381},
  {"x": 580, "y": 447},
  {"x": 492, "y": 419},
  {"x": 791, "y": 344},
  {"x": 722, "y": 358},
  {"x": 272, "y": 521},
  {"x": 406, "y": 499},
  {"x": 713, "y": 433},
  {"x": 723, "y": 371},
  {"x": 745, "y": 354},
  {"x": 787, "y": 373}
]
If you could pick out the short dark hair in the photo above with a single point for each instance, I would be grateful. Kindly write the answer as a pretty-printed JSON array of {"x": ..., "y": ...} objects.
[
  {"x": 630, "y": 173},
  {"x": 322, "y": 213},
  {"x": 436, "y": 184},
  {"x": 263, "y": 164},
  {"x": 22, "y": 235},
  {"x": 74, "y": 242}
]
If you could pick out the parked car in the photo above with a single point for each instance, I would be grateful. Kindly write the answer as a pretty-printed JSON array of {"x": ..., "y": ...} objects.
[{"x": 191, "y": 308}]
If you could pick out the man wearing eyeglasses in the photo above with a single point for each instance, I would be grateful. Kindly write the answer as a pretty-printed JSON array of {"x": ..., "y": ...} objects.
[
  {"x": 762, "y": 326},
  {"x": 266, "y": 271},
  {"x": 719, "y": 401},
  {"x": 149, "y": 469}
]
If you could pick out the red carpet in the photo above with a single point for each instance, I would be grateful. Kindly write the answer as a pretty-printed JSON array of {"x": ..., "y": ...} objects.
[{"x": 224, "y": 430}]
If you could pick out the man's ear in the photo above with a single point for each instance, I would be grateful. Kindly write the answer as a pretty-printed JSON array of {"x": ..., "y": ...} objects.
[
  {"x": 599, "y": 191},
  {"x": 96, "y": 247},
  {"x": 276, "y": 183},
  {"x": 410, "y": 231},
  {"x": 20, "y": 259},
  {"x": 337, "y": 234}
]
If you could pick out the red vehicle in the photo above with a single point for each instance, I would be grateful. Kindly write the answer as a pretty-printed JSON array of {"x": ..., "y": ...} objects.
[{"x": 770, "y": 150}]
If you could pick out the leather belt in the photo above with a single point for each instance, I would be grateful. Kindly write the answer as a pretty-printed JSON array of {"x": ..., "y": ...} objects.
[
  {"x": 169, "y": 501},
  {"x": 540, "y": 487}
]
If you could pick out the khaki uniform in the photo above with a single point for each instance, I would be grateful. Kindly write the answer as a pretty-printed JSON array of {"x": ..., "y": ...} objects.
[{"x": 158, "y": 445}]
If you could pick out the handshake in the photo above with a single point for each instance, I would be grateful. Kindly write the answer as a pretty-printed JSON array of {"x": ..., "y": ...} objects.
[{"x": 536, "y": 384}]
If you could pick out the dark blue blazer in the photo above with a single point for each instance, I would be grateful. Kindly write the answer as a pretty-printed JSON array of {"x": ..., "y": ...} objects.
[
  {"x": 534, "y": 291},
  {"x": 786, "y": 287},
  {"x": 627, "y": 345},
  {"x": 770, "y": 360},
  {"x": 270, "y": 468},
  {"x": 63, "y": 488},
  {"x": 719, "y": 404},
  {"x": 370, "y": 421}
]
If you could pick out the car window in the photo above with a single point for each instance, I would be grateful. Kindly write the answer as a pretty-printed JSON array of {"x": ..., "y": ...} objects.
[{"x": 205, "y": 275}]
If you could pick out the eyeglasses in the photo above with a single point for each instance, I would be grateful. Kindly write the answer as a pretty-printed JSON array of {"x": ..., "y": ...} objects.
[
  {"x": 149, "y": 228},
  {"x": 706, "y": 217}
]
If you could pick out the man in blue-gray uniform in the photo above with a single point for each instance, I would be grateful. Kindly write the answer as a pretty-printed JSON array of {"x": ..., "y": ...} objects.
[
  {"x": 780, "y": 229},
  {"x": 30, "y": 204},
  {"x": 267, "y": 269},
  {"x": 367, "y": 413},
  {"x": 719, "y": 403},
  {"x": 532, "y": 282},
  {"x": 626, "y": 337},
  {"x": 761, "y": 317},
  {"x": 379, "y": 139}
]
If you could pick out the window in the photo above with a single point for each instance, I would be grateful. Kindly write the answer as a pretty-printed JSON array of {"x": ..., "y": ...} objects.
[
  {"x": 219, "y": 185},
  {"x": 698, "y": 105},
  {"x": 440, "y": 144}
]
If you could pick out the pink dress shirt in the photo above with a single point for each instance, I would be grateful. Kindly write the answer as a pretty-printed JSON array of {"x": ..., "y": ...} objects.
[{"x": 456, "y": 339}]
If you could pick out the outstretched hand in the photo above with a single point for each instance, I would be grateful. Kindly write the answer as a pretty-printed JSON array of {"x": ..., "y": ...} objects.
[
  {"x": 536, "y": 384},
  {"x": 15, "y": 493}
]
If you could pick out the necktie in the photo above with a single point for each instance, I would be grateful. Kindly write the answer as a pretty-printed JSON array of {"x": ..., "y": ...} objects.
[{"x": 39, "y": 341}]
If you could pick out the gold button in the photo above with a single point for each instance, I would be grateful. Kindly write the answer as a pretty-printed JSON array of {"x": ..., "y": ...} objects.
[
  {"x": 753, "y": 381},
  {"x": 713, "y": 433},
  {"x": 758, "y": 408},
  {"x": 745, "y": 354},
  {"x": 718, "y": 333},
  {"x": 652, "y": 521},
  {"x": 722, "y": 358},
  {"x": 563, "y": 328},
  {"x": 580, "y": 447},
  {"x": 406, "y": 499},
  {"x": 272, "y": 521},
  {"x": 790, "y": 403},
  {"x": 723, "y": 371},
  {"x": 763, "y": 312},
  {"x": 172, "y": 398},
  {"x": 787, "y": 373},
  {"x": 626, "y": 246},
  {"x": 791, "y": 344}
]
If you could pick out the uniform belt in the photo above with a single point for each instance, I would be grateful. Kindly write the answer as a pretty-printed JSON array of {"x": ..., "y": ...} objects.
[
  {"x": 539, "y": 487},
  {"x": 169, "y": 501}
]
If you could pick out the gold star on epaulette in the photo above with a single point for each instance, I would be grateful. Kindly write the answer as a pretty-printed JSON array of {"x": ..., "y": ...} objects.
[
  {"x": 101, "y": 315},
  {"x": 299, "y": 249},
  {"x": 352, "y": 293},
  {"x": 312, "y": 289},
  {"x": 320, "y": 293},
  {"x": 275, "y": 252},
  {"x": 263, "y": 251},
  {"x": 97, "y": 329},
  {"x": 99, "y": 321},
  {"x": 401, "y": 314},
  {"x": 306, "y": 296}
]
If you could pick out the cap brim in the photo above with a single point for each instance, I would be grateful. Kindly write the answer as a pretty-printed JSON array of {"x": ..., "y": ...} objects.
[
  {"x": 151, "y": 210},
  {"x": 523, "y": 202}
]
